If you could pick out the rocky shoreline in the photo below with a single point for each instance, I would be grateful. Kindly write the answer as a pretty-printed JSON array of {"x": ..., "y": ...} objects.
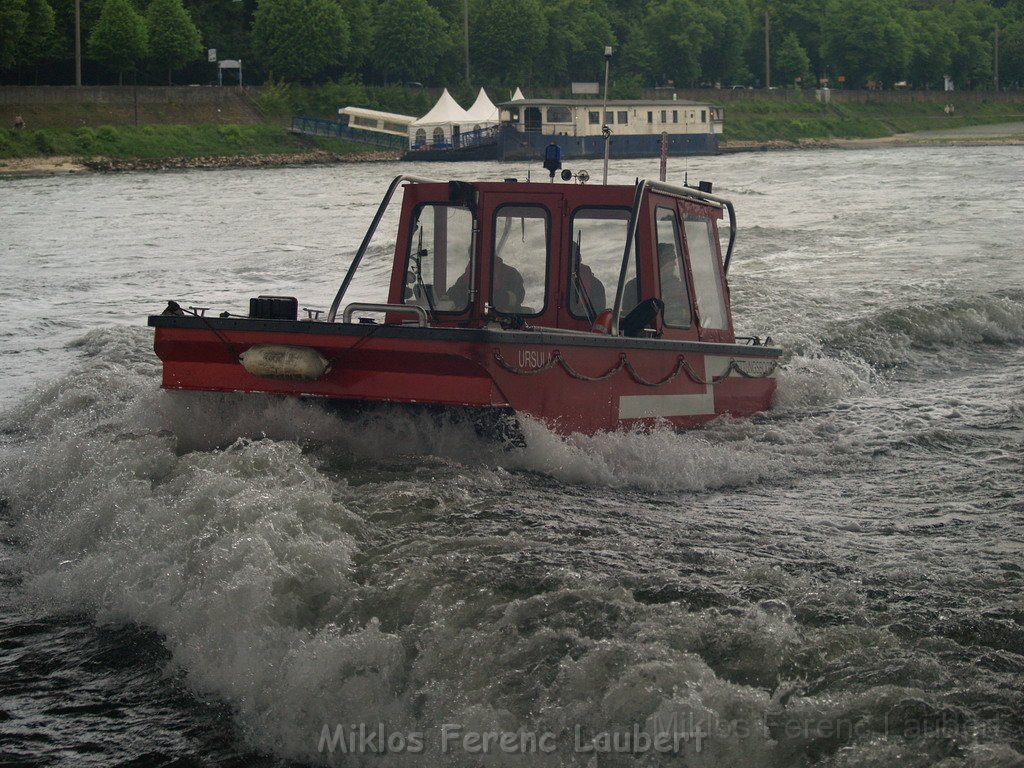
[{"x": 317, "y": 157}]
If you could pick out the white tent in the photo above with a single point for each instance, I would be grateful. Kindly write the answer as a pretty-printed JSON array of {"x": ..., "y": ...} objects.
[
  {"x": 437, "y": 125},
  {"x": 482, "y": 114},
  {"x": 518, "y": 95}
]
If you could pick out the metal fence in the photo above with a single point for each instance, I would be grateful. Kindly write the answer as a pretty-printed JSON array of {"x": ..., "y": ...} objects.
[{"x": 315, "y": 126}]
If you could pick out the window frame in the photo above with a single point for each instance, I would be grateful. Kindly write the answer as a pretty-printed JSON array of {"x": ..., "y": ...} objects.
[
  {"x": 683, "y": 265},
  {"x": 548, "y": 218},
  {"x": 636, "y": 255},
  {"x": 408, "y": 254}
]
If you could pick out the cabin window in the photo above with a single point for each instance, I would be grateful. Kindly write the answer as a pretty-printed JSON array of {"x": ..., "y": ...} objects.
[
  {"x": 439, "y": 136},
  {"x": 421, "y": 136},
  {"x": 598, "y": 238},
  {"x": 559, "y": 115},
  {"x": 437, "y": 272},
  {"x": 594, "y": 118},
  {"x": 707, "y": 282},
  {"x": 366, "y": 122},
  {"x": 671, "y": 271},
  {"x": 520, "y": 263},
  {"x": 664, "y": 116},
  {"x": 675, "y": 115},
  {"x": 703, "y": 115},
  {"x": 623, "y": 118},
  {"x": 609, "y": 118},
  {"x": 650, "y": 117}
]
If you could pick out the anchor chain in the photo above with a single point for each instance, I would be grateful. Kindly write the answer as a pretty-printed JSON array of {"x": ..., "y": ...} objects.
[{"x": 624, "y": 363}]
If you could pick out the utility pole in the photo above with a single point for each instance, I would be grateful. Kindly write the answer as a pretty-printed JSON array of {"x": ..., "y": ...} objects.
[
  {"x": 465, "y": 36},
  {"x": 767, "y": 56},
  {"x": 78, "y": 43},
  {"x": 606, "y": 130},
  {"x": 997, "y": 59}
]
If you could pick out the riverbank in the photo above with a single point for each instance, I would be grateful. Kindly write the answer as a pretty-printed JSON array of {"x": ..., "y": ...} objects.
[{"x": 313, "y": 152}]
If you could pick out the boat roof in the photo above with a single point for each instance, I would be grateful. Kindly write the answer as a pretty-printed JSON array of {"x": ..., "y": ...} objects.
[
  {"x": 660, "y": 103},
  {"x": 391, "y": 116}
]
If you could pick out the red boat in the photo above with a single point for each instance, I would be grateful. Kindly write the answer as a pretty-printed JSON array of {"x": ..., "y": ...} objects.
[{"x": 588, "y": 307}]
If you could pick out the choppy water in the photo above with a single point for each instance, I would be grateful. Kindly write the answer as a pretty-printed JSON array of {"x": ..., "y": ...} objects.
[{"x": 197, "y": 580}]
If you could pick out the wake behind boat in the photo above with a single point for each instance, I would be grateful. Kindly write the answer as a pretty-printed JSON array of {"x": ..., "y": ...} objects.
[{"x": 588, "y": 307}]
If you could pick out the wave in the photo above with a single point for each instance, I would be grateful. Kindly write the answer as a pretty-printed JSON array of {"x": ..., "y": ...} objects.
[
  {"x": 895, "y": 336},
  {"x": 312, "y": 570}
]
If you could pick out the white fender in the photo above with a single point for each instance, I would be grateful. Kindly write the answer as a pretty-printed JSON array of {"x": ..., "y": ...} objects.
[{"x": 275, "y": 361}]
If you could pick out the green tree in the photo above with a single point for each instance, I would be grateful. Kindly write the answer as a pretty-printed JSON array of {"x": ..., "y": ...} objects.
[
  {"x": 866, "y": 40},
  {"x": 119, "y": 39},
  {"x": 578, "y": 34},
  {"x": 933, "y": 41},
  {"x": 37, "y": 40},
  {"x": 361, "y": 26},
  {"x": 675, "y": 31},
  {"x": 728, "y": 25},
  {"x": 506, "y": 40},
  {"x": 300, "y": 39},
  {"x": 13, "y": 22},
  {"x": 414, "y": 29},
  {"x": 790, "y": 61},
  {"x": 173, "y": 39}
]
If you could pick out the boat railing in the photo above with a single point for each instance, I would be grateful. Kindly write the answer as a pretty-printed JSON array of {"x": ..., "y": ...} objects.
[{"x": 407, "y": 309}]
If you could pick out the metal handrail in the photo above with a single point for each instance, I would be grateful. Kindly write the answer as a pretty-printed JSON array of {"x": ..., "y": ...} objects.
[
  {"x": 408, "y": 309},
  {"x": 333, "y": 313},
  {"x": 688, "y": 193}
]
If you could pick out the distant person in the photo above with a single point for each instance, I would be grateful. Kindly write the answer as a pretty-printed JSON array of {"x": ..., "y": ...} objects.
[
  {"x": 19, "y": 123},
  {"x": 553, "y": 158}
]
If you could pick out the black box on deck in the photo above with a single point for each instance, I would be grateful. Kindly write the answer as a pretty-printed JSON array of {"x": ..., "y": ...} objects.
[{"x": 274, "y": 308}]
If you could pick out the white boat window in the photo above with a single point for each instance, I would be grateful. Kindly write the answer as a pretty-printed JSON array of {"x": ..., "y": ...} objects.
[
  {"x": 707, "y": 282},
  {"x": 437, "y": 272},
  {"x": 520, "y": 262},
  {"x": 598, "y": 237},
  {"x": 671, "y": 270},
  {"x": 421, "y": 136}
]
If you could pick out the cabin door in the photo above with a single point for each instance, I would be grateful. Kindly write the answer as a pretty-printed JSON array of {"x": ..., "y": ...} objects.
[
  {"x": 519, "y": 250},
  {"x": 704, "y": 262}
]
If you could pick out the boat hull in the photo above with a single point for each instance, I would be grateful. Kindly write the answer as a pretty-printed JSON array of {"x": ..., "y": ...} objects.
[{"x": 572, "y": 382}]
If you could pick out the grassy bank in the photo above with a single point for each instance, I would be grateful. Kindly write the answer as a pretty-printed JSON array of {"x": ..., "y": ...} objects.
[
  {"x": 771, "y": 120},
  {"x": 161, "y": 141}
]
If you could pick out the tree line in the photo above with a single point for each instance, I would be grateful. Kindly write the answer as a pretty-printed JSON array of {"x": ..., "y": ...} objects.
[{"x": 683, "y": 43}]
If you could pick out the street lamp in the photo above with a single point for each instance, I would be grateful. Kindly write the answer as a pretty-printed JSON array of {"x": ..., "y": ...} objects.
[{"x": 605, "y": 129}]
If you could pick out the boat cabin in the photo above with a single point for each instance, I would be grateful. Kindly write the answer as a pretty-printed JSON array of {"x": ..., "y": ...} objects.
[{"x": 642, "y": 261}]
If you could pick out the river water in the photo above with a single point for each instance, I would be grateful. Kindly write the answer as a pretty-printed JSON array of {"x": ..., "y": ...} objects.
[{"x": 200, "y": 580}]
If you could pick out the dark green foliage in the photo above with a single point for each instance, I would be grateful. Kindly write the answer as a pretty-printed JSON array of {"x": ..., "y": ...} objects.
[
  {"x": 13, "y": 23},
  {"x": 537, "y": 44},
  {"x": 410, "y": 38},
  {"x": 119, "y": 39},
  {"x": 38, "y": 36},
  {"x": 173, "y": 39},
  {"x": 508, "y": 38},
  {"x": 300, "y": 39}
]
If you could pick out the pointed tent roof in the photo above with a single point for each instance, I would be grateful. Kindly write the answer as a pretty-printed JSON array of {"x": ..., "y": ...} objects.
[
  {"x": 518, "y": 95},
  {"x": 483, "y": 110},
  {"x": 445, "y": 111}
]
